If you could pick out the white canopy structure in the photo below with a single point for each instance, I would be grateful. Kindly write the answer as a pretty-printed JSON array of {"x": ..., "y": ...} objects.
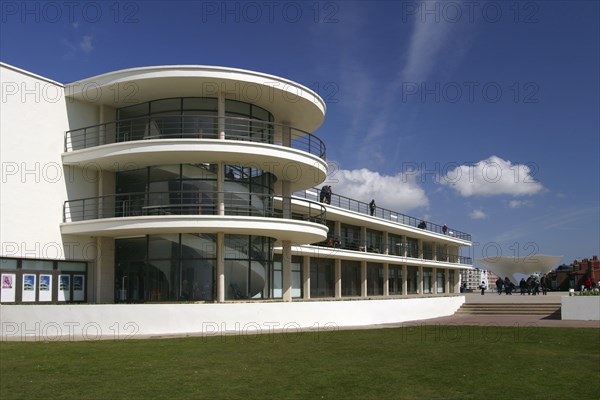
[{"x": 511, "y": 266}]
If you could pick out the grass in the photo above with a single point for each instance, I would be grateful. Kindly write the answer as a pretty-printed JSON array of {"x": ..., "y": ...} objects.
[{"x": 419, "y": 362}]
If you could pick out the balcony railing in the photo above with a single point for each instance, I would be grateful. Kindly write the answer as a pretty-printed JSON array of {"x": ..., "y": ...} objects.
[
  {"x": 358, "y": 244},
  {"x": 389, "y": 215},
  {"x": 193, "y": 127},
  {"x": 171, "y": 203}
]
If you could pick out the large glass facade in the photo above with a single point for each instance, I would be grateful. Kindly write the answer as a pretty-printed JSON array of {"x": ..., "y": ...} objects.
[
  {"x": 193, "y": 117},
  {"x": 427, "y": 280},
  {"x": 182, "y": 267},
  {"x": 190, "y": 189}
]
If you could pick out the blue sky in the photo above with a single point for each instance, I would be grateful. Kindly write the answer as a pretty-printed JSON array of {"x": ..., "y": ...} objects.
[{"x": 480, "y": 115}]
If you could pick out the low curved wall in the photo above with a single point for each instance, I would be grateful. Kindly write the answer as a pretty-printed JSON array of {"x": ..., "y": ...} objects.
[{"x": 123, "y": 321}]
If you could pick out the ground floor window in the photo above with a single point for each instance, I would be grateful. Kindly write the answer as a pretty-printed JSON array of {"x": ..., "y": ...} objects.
[
  {"x": 395, "y": 279},
  {"x": 350, "y": 278},
  {"x": 427, "y": 280},
  {"x": 322, "y": 277},
  {"x": 441, "y": 280},
  {"x": 412, "y": 280},
  {"x": 277, "y": 279},
  {"x": 42, "y": 281},
  {"x": 183, "y": 267},
  {"x": 374, "y": 279}
]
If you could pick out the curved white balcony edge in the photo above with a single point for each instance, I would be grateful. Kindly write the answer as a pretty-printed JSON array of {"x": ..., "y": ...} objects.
[
  {"x": 286, "y": 100},
  {"x": 302, "y": 169},
  {"x": 296, "y": 231},
  {"x": 342, "y": 254}
]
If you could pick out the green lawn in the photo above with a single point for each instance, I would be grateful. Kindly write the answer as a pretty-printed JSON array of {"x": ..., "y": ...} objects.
[{"x": 456, "y": 362}]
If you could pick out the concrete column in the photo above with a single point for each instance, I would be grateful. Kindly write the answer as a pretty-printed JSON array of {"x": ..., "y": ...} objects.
[
  {"x": 420, "y": 246},
  {"x": 306, "y": 277},
  {"x": 404, "y": 246},
  {"x": 363, "y": 279},
  {"x": 434, "y": 279},
  {"x": 337, "y": 230},
  {"x": 404, "y": 280},
  {"x": 286, "y": 262},
  {"x": 421, "y": 281},
  {"x": 385, "y": 249},
  {"x": 221, "y": 115},
  {"x": 104, "y": 279},
  {"x": 456, "y": 280},
  {"x": 434, "y": 248},
  {"x": 220, "y": 267},
  {"x": 386, "y": 280},
  {"x": 363, "y": 237},
  {"x": 338, "y": 278},
  {"x": 447, "y": 281}
]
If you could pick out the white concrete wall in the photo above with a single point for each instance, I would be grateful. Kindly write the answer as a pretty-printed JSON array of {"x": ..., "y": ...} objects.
[
  {"x": 34, "y": 184},
  {"x": 91, "y": 322},
  {"x": 581, "y": 308}
]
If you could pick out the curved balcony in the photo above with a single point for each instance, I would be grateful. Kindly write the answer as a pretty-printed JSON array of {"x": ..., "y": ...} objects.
[
  {"x": 192, "y": 212},
  {"x": 290, "y": 154}
]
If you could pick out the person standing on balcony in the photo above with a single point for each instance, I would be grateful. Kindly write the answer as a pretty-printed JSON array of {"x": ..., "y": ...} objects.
[
  {"x": 445, "y": 229},
  {"x": 372, "y": 207}
]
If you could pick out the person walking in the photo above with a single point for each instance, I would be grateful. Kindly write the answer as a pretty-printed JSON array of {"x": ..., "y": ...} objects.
[
  {"x": 499, "y": 284},
  {"x": 523, "y": 286},
  {"x": 482, "y": 287}
]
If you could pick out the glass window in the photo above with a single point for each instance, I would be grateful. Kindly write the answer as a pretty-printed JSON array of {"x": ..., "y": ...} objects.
[
  {"x": 321, "y": 278},
  {"x": 137, "y": 110},
  {"x": 395, "y": 279},
  {"x": 8, "y": 263},
  {"x": 427, "y": 280},
  {"x": 412, "y": 279},
  {"x": 163, "y": 246},
  {"x": 374, "y": 279},
  {"x": 260, "y": 113},
  {"x": 37, "y": 265},
  {"x": 159, "y": 106},
  {"x": 72, "y": 266},
  {"x": 237, "y": 107},
  {"x": 351, "y": 278},
  {"x": 441, "y": 281},
  {"x": 200, "y": 103}
]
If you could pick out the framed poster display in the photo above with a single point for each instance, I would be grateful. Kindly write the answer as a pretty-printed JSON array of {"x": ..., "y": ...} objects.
[
  {"x": 28, "y": 290},
  {"x": 8, "y": 290},
  {"x": 64, "y": 287},
  {"x": 78, "y": 287},
  {"x": 45, "y": 288}
]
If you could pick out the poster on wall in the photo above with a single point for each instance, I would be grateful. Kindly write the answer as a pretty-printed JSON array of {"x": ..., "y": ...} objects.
[
  {"x": 28, "y": 291},
  {"x": 45, "y": 288},
  {"x": 8, "y": 290},
  {"x": 78, "y": 287},
  {"x": 64, "y": 288}
]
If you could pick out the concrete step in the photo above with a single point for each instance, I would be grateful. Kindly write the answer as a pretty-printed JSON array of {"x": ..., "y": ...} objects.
[{"x": 547, "y": 309}]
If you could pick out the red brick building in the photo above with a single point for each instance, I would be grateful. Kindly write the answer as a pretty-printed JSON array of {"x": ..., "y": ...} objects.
[{"x": 573, "y": 276}]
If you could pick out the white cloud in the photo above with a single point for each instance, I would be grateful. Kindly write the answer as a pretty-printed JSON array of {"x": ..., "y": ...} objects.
[
  {"x": 493, "y": 176},
  {"x": 86, "y": 44},
  {"x": 478, "y": 214},
  {"x": 398, "y": 192},
  {"x": 518, "y": 203}
]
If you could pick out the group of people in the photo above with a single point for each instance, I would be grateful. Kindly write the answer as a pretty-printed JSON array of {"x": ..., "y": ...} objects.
[{"x": 531, "y": 286}]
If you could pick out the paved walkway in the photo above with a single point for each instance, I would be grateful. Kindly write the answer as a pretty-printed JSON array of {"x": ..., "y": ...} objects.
[{"x": 508, "y": 320}]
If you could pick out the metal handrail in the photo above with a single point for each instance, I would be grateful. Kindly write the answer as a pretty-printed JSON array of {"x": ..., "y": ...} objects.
[
  {"x": 200, "y": 126},
  {"x": 181, "y": 202},
  {"x": 383, "y": 213}
]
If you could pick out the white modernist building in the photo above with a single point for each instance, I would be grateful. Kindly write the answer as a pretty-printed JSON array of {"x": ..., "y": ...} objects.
[{"x": 193, "y": 184}]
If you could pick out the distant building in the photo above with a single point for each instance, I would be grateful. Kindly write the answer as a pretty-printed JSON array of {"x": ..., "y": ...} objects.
[{"x": 573, "y": 276}]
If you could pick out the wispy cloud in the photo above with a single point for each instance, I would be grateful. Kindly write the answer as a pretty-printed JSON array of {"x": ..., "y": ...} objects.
[
  {"x": 518, "y": 203},
  {"x": 478, "y": 214},
  {"x": 86, "y": 44}
]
